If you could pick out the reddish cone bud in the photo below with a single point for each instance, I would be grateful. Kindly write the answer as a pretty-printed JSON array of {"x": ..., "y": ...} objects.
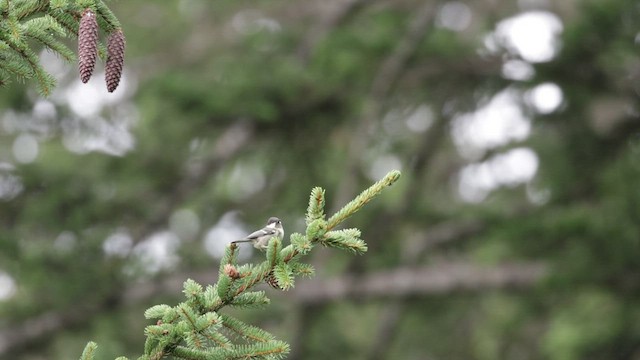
[{"x": 231, "y": 271}]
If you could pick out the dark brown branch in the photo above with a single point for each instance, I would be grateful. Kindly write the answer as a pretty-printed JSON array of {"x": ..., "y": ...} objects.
[
  {"x": 398, "y": 283},
  {"x": 412, "y": 251},
  {"x": 441, "y": 234},
  {"x": 20, "y": 336},
  {"x": 384, "y": 82},
  {"x": 228, "y": 144},
  {"x": 388, "y": 75},
  {"x": 423, "y": 281},
  {"x": 386, "y": 330},
  {"x": 232, "y": 140},
  {"x": 339, "y": 15},
  {"x": 395, "y": 64}
]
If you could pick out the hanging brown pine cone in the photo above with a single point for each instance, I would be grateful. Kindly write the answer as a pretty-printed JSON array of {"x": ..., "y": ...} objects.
[
  {"x": 87, "y": 44},
  {"x": 115, "y": 59},
  {"x": 271, "y": 280}
]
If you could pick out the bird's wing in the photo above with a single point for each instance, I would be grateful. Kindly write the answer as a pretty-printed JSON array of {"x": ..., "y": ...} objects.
[{"x": 260, "y": 233}]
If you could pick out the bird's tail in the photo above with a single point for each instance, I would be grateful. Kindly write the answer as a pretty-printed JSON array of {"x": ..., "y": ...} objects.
[{"x": 241, "y": 241}]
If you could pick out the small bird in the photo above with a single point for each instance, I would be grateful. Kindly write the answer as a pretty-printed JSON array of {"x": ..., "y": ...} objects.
[{"x": 260, "y": 238}]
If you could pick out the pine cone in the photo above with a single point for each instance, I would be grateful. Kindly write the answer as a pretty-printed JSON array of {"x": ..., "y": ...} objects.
[
  {"x": 115, "y": 59},
  {"x": 271, "y": 280},
  {"x": 87, "y": 44}
]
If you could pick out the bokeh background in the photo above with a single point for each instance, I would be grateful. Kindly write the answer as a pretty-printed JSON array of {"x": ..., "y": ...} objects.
[{"x": 514, "y": 232}]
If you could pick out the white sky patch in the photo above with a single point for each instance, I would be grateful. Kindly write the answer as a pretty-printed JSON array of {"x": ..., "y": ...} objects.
[
  {"x": 537, "y": 196},
  {"x": 7, "y": 286},
  {"x": 99, "y": 120},
  {"x": 498, "y": 123},
  {"x": 10, "y": 184},
  {"x": 533, "y": 35},
  {"x": 88, "y": 100},
  {"x": 415, "y": 118},
  {"x": 245, "y": 180},
  {"x": 454, "y": 15},
  {"x": 44, "y": 109},
  {"x": 85, "y": 100},
  {"x": 420, "y": 120},
  {"x": 65, "y": 242},
  {"x": 25, "y": 148},
  {"x": 475, "y": 183},
  {"x": 226, "y": 230},
  {"x": 545, "y": 98},
  {"x": 111, "y": 137},
  {"x": 185, "y": 223},
  {"x": 118, "y": 244},
  {"x": 37, "y": 123},
  {"x": 517, "y": 70},
  {"x": 249, "y": 21},
  {"x": 382, "y": 165},
  {"x": 158, "y": 252},
  {"x": 515, "y": 167},
  {"x": 54, "y": 64}
]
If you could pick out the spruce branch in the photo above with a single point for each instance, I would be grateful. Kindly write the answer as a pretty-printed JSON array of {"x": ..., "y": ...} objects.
[
  {"x": 24, "y": 8},
  {"x": 273, "y": 252},
  {"x": 315, "y": 211},
  {"x": 301, "y": 244},
  {"x": 347, "y": 239},
  {"x": 303, "y": 269},
  {"x": 364, "y": 197},
  {"x": 89, "y": 351},
  {"x": 289, "y": 253},
  {"x": 42, "y": 32},
  {"x": 111, "y": 23},
  {"x": 248, "y": 332},
  {"x": 252, "y": 299},
  {"x": 193, "y": 328},
  {"x": 48, "y": 22}
]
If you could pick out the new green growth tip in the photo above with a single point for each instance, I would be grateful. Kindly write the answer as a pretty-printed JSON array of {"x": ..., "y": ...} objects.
[{"x": 364, "y": 197}]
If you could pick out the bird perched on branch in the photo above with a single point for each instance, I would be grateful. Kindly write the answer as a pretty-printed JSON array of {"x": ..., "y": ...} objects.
[{"x": 260, "y": 239}]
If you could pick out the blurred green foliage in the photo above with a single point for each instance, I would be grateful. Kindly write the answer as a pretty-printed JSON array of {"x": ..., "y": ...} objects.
[{"x": 245, "y": 106}]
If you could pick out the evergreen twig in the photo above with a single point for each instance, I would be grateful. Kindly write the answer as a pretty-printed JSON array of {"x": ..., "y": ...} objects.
[
  {"x": 89, "y": 351},
  {"x": 364, "y": 197},
  {"x": 48, "y": 22},
  {"x": 192, "y": 329}
]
